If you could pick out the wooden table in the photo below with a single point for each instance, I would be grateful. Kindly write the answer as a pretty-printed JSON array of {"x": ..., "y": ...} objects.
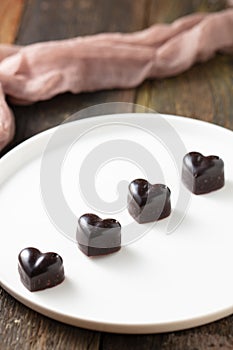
[{"x": 204, "y": 92}]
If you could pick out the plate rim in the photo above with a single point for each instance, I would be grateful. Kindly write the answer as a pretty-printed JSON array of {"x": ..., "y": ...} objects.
[
  {"x": 117, "y": 327},
  {"x": 49, "y": 131}
]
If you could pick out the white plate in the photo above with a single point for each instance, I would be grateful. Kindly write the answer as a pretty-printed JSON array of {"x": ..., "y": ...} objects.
[{"x": 161, "y": 282}]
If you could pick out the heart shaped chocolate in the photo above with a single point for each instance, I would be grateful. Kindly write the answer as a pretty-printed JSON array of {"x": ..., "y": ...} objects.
[
  {"x": 40, "y": 270},
  {"x": 147, "y": 202},
  {"x": 202, "y": 174},
  {"x": 98, "y": 237}
]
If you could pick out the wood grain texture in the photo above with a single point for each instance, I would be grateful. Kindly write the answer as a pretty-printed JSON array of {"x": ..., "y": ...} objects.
[
  {"x": 10, "y": 14},
  {"x": 50, "y": 20},
  {"x": 215, "y": 336},
  {"x": 21, "y": 328},
  {"x": 204, "y": 92}
]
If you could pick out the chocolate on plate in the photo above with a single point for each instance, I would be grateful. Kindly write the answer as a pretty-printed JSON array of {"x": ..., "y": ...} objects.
[
  {"x": 98, "y": 237},
  {"x": 40, "y": 270},
  {"x": 202, "y": 174},
  {"x": 147, "y": 202}
]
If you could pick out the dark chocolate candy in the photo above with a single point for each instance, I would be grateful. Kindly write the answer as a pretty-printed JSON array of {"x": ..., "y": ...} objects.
[
  {"x": 202, "y": 174},
  {"x": 98, "y": 237},
  {"x": 40, "y": 270},
  {"x": 148, "y": 203}
]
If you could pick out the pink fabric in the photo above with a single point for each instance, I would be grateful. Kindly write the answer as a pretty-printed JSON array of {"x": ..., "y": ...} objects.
[
  {"x": 105, "y": 61},
  {"x": 7, "y": 123}
]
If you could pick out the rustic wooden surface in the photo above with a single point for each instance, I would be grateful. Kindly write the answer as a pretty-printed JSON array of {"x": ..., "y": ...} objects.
[
  {"x": 10, "y": 14},
  {"x": 204, "y": 92}
]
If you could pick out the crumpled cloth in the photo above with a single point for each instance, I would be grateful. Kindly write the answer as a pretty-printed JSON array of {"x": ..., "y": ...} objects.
[{"x": 106, "y": 61}]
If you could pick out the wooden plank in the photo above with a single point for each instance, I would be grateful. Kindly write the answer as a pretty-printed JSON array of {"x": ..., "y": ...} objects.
[
  {"x": 214, "y": 336},
  {"x": 174, "y": 95},
  {"x": 46, "y": 20},
  {"x": 205, "y": 91},
  {"x": 10, "y": 14},
  {"x": 43, "y": 115},
  {"x": 24, "y": 329},
  {"x": 167, "y": 11},
  {"x": 132, "y": 342},
  {"x": 49, "y": 20}
]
